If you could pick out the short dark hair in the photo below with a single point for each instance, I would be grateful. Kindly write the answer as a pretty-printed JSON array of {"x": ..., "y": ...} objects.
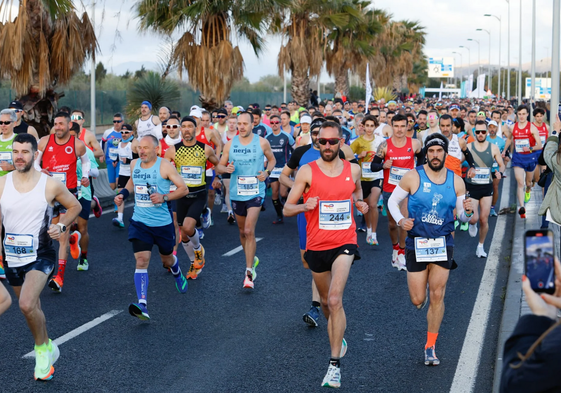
[
  {"x": 332, "y": 124},
  {"x": 246, "y": 113},
  {"x": 65, "y": 109},
  {"x": 500, "y": 114},
  {"x": 257, "y": 111},
  {"x": 66, "y": 115},
  {"x": 538, "y": 111},
  {"x": 422, "y": 112},
  {"x": 371, "y": 118},
  {"x": 480, "y": 122},
  {"x": 410, "y": 115},
  {"x": 222, "y": 111},
  {"x": 274, "y": 117},
  {"x": 75, "y": 127},
  {"x": 521, "y": 107},
  {"x": 176, "y": 113},
  {"x": 472, "y": 111},
  {"x": 446, "y": 117},
  {"x": 79, "y": 111},
  {"x": 27, "y": 138},
  {"x": 286, "y": 113},
  {"x": 397, "y": 118}
]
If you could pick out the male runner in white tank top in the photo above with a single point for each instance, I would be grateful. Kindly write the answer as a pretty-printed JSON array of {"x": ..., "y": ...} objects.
[
  {"x": 147, "y": 123},
  {"x": 26, "y": 202}
]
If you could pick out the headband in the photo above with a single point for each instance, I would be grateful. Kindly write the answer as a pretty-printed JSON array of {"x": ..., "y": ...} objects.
[
  {"x": 189, "y": 118},
  {"x": 437, "y": 141},
  {"x": 147, "y": 103}
]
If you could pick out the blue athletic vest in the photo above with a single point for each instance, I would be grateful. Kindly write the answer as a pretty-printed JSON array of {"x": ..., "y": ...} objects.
[
  {"x": 146, "y": 181},
  {"x": 248, "y": 161},
  {"x": 432, "y": 207}
]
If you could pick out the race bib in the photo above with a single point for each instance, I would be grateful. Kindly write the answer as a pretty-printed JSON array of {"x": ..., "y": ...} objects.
[
  {"x": 6, "y": 156},
  {"x": 19, "y": 248},
  {"x": 113, "y": 153},
  {"x": 275, "y": 174},
  {"x": 142, "y": 196},
  {"x": 543, "y": 138},
  {"x": 248, "y": 185},
  {"x": 192, "y": 175},
  {"x": 520, "y": 144},
  {"x": 367, "y": 172},
  {"x": 335, "y": 215},
  {"x": 482, "y": 175},
  {"x": 431, "y": 250},
  {"x": 60, "y": 176},
  {"x": 396, "y": 174}
]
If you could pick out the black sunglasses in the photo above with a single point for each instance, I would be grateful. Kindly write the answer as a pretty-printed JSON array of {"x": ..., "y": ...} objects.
[
  {"x": 331, "y": 141},
  {"x": 5, "y": 123},
  {"x": 117, "y": 121},
  {"x": 480, "y": 131}
]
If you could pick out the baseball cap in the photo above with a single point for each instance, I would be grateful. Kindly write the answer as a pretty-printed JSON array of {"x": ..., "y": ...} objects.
[
  {"x": 16, "y": 105},
  {"x": 493, "y": 123},
  {"x": 306, "y": 119},
  {"x": 481, "y": 113},
  {"x": 196, "y": 112},
  {"x": 454, "y": 106}
]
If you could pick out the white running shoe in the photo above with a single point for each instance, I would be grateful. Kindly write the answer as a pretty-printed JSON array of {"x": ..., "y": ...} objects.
[
  {"x": 472, "y": 230},
  {"x": 343, "y": 348},
  {"x": 401, "y": 265},
  {"x": 333, "y": 377},
  {"x": 480, "y": 252},
  {"x": 224, "y": 208},
  {"x": 394, "y": 259}
]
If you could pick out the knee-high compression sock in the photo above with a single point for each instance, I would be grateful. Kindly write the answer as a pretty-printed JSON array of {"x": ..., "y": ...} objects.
[
  {"x": 188, "y": 247},
  {"x": 61, "y": 268},
  {"x": 141, "y": 284},
  {"x": 278, "y": 207},
  {"x": 195, "y": 240},
  {"x": 431, "y": 339}
]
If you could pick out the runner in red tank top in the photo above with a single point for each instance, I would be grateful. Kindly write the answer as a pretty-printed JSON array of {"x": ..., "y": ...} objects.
[
  {"x": 398, "y": 157},
  {"x": 58, "y": 154},
  {"x": 330, "y": 187}
]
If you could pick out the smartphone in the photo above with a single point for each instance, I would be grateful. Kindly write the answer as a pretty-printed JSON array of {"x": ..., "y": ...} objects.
[{"x": 539, "y": 256}]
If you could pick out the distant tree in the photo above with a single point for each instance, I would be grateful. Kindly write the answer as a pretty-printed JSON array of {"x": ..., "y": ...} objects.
[
  {"x": 100, "y": 72},
  {"x": 140, "y": 73},
  {"x": 126, "y": 75}
]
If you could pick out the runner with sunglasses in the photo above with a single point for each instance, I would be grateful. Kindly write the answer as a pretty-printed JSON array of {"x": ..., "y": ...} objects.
[
  {"x": 330, "y": 187},
  {"x": 20, "y": 126},
  {"x": 221, "y": 124},
  {"x": 127, "y": 151},
  {"x": 86, "y": 136},
  {"x": 110, "y": 140}
]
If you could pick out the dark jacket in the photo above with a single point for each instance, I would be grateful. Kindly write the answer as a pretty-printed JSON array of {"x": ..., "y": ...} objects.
[{"x": 541, "y": 372}]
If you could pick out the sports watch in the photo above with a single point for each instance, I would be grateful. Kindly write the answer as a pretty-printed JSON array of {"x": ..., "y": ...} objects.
[
  {"x": 62, "y": 227},
  {"x": 166, "y": 197}
]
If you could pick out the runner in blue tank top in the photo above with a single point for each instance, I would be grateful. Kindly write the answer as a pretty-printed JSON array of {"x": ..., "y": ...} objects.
[
  {"x": 433, "y": 192},
  {"x": 151, "y": 222},
  {"x": 244, "y": 157}
]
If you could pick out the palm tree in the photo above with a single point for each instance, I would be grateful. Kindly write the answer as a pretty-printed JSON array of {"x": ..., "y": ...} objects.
[
  {"x": 304, "y": 30},
  {"x": 350, "y": 45},
  {"x": 152, "y": 87},
  {"x": 205, "y": 50}
]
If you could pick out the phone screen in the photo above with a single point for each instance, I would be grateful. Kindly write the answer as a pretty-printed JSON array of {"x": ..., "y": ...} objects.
[{"x": 539, "y": 255}]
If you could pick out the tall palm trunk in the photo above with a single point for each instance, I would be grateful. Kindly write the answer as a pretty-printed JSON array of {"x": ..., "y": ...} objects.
[
  {"x": 342, "y": 81},
  {"x": 300, "y": 87}
]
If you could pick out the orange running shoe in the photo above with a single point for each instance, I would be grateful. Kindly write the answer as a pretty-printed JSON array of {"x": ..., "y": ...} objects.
[
  {"x": 2, "y": 272},
  {"x": 56, "y": 284},
  {"x": 192, "y": 274},
  {"x": 199, "y": 258},
  {"x": 74, "y": 241}
]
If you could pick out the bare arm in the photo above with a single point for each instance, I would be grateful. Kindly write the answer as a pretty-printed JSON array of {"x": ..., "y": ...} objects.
[
  {"x": 303, "y": 179},
  {"x": 536, "y": 134},
  {"x": 210, "y": 156},
  {"x": 168, "y": 171},
  {"x": 92, "y": 141},
  {"x": 284, "y": 177},
  {"x": 31, "y": 130},
  {"x": 271, "y": 160},
  {"x": 58, "y": 192},
  {"x": 215, "y": 138},
  {"x": 170, "y": 153},
  {"x": 498, "y": 157}
]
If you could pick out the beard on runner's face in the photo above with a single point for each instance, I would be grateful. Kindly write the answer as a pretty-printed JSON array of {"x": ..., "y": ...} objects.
[
  {"x": 436, "y": 164},
  {"x": 328, "y": 158},
  {"x": 26, "y": 168}
]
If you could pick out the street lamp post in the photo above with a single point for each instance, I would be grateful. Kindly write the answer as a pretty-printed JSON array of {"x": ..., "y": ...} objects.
[
  {"x": 478, "y": 56},
  {"x": 520, "y": 58},
  {"x": 462, "y": 63},
  {"x": 533, "y": 64},
  {"x": 469, "y": 58},
  {"x": 488, "y": 32},
  {"x": 508, "y": 55},
  {"x": 500, "y": 29},
  {"x": 555, "y": 62}
]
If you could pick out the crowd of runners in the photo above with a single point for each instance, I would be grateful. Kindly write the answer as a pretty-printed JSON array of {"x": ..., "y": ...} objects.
[{"x": 433, "y": 167}]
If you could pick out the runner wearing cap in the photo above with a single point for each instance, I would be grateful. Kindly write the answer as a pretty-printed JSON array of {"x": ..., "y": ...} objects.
[
  {"x": 147, "y": 123},
  {"x": 110, "y": 140},
  {"x": 21, "y": 127},
  {"x": 304, "y": 138},
  {"x": 127, "y": 150},
  {"x": 495, "y": 139}
]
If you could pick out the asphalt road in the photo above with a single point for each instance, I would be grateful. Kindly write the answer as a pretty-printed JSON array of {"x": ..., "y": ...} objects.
[{"x": 220, "y": 337}]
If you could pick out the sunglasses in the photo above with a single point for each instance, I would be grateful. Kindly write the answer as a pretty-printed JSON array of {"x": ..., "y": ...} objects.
[
  {"x": 315, "y": 132},
  {"x": 76, "y": 117},
  {"x": 117, "y": 121},
  {"x": 221, "y": 116},
  {"x": 410, "y": 121},
  {"x": 480, "y": 131},
  {"x": 267, "y": 109},
  {"x": 5, "y": 123},
  {"x": 16, "y": 110},
  {"x": 275, "y": 122},
  {"x": 376, "y": 116},
  {"x": 170, "y": 126},
  {"x": 126, "y": 132},
  {"x": 331, "y": 141}
]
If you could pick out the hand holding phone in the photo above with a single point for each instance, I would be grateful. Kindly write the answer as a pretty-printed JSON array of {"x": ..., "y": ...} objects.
[{"x": 539, "y": 260}]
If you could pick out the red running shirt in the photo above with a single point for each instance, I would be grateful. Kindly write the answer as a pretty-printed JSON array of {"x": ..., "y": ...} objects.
[
  {"x": 203, "y": 139},
  {"x": 523, "y": 137},
  {"x": 331, "y": 223},
  {"x": 543, "y": 133},
  {"x": 403, "y": 161},
  {"x": 62, "y": 159}
]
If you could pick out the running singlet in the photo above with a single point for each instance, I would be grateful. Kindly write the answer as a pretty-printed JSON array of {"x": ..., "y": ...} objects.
[
  {"x": 125, "y": 152},
  {"x": 146, "y": 182},
  {"x": 22, "y": 128},
  {"x": 6, "y": 152},
  {"x": 190, "y": 162},
  {"x": 281, "y": 145},
  {"x": 147, "y": 126},
  {"x": 248, "y": 162},
  {"x": 543, "y": 133},
  {"x": 112, "y": 140},
  {"x": 483, "y": 163},
  {"x": 82, "y": 137},
  {"x": 61, "y": 160},
  {"x": 203, "y": 139},
  {"x": 523, "y": 138},
  {"x": 432, "y": 207},
  {"x": 331, "y": 223},
  {"x": 454, "y": 156},
  {"x": 403, "y": 161},
  {"x": 26, "y": 219},
  {"x": 500, "y": 142},
  {"x": 370, "y": 147},
  {"x": 86, "y": 192}
]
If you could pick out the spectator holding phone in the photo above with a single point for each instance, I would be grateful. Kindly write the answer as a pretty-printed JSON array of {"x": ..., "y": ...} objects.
[
  {"x": 532, "y": 354},
  {"x": 551, "y": 207}
]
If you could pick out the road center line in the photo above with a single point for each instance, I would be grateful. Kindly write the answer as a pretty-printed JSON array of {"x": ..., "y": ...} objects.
[
  {"x": 466, "y": 371},
  {"x": 238, "y": 249},
  {"x": 79, "y": 330}
]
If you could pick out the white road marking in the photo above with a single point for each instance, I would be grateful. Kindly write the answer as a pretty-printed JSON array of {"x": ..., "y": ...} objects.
[
  {"x": 79, "y": 330},
  {"x": 466, "y": 371},
  {"x": 238, "y": 249}
]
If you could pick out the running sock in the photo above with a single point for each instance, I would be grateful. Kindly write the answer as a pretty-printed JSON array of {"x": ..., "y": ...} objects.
[
  {"x": 480, "y": 245},
  {"x": 120, "y": 216},
  {"x": 195, "y": 240},
  {"x": 278, "y": 207},
  {"x": 61, "y": 268},
  {"x": 141, "y": 284},
  {"x": 368, "y": 231},
  {"x": 316, "y": 304},
  {"x": 335, "y": 362},
  {"x": 84, "y": 255},
  {"x": 249, "y": 270},
  {"x": 401, "y": 251},
  {"x": 396, "y": 246},
  {"x": 374, "y": 236},
  {"x": 492, "y": 206},
  {"x": 175, "y": 270},
  {"x": 431, "y": 339}
]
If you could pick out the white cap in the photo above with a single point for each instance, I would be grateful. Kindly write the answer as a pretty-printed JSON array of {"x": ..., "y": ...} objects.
[
  {"x": 493, "y": 123},
  {"x": 196, "y": 112},
  {"x": 307, "y": 119}
]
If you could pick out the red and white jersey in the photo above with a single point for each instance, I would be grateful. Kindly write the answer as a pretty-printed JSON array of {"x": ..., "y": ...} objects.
[
  {"x": 522, "y": 138},
  {"x": 61, "y": 160}
]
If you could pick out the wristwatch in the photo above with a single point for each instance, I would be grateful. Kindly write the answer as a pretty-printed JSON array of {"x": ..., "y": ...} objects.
[
  {"x": 62, "y": 227},
  {"x": 268, "y": 172},
  {"x": 166, "y": 197}
]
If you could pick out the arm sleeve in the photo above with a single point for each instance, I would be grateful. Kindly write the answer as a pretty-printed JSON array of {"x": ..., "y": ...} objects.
[
  {"x": 377, "y": 164},
  {"x": 94, "y": 172},
  {"x": 294, "y": 160},
  {"x": 134, "y": 156},
  {"x": 398, "y": 195},
  {"x": 421, "y": 156},
  {"x": 469, "y": 158},
  {"x": 37, "y": 163},
  {"x": 460, "y": 212},
  {"x": 86, "y": 165}
]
